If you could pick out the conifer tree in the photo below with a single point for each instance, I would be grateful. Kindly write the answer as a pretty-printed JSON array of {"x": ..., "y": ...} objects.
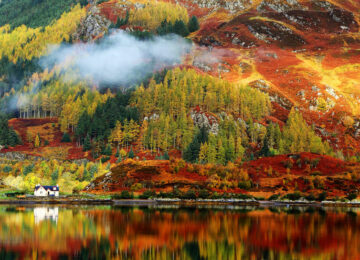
[
  {"x": 131, "y": 154},
  {"x": 193, "y": 24},
  {"x": 87, "y": 144}
]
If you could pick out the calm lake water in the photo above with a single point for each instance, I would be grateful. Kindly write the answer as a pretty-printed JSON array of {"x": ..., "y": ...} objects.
[{"x": 105, "y": 232}]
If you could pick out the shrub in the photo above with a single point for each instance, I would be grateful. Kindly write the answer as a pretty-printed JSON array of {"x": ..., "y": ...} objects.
[
  {"x": 204, "y": 194},
  {"x": 65, "y": 138},
  {"x": 351, "y": 196},
  {"x": 292, "y": 196},
  {"x": 136, "y": 186},
  {"x": 288, "y": 164},
  {"x": 274, "y": 197},
  {"x": 322, "y": 196},
  {"x": 147, "y": 194},
  {"x": 246, "y": 185},
  {"x": 105, "y": 159},
  {"x": 310, "y": 197},
  {"x": 123, "y": 195},
  {"x": 189, "y": 195},
  {"x": 7, "y": 169},
  {"x": 314, "y": 162}
]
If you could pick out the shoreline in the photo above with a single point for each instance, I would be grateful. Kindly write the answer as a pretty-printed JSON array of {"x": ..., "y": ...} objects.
[{"x": 178, "y": 202}]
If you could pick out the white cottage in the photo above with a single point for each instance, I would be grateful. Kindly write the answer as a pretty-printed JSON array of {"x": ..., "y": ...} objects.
[{"x": 43, "y": 191}]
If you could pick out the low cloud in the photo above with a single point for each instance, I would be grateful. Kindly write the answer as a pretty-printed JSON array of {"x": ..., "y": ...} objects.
[{"x": 118, "y": 59}]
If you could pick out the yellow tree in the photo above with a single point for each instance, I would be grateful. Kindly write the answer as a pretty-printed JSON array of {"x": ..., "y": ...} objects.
[{"x": 116, "y": 135}]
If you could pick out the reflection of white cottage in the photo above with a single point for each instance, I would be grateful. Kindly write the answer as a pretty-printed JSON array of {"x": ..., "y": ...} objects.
[
  {"x": 44, "y": 213},
  {"x": 43, "y": 191}
]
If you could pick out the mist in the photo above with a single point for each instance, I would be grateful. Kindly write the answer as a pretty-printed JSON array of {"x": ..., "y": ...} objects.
[{"x": 119, "y": 59}]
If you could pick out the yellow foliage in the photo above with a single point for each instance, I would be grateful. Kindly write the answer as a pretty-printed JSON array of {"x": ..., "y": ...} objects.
[
  {"x": 154, "y": 13},
  {"x": 27, "y": 43}
]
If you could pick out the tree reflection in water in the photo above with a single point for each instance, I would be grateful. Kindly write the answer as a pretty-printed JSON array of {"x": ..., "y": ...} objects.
[{"x": 106, "y": 232}]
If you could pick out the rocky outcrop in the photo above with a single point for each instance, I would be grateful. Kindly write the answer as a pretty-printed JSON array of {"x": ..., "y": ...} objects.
[
  {"x": 92, "y": 26},
  {"x": 18, "y": 156},
  {"x": 279, "y": 5},
  {"x": 232, "y": 6},
  {"x": 202, "y": 119}
]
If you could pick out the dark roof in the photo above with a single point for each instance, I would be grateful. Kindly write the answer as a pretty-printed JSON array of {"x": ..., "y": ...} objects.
[{"x": 52, "y": 188}]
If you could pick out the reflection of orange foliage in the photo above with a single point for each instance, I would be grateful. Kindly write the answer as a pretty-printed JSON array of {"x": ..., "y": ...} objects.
[{"x": 107, "y": 233}]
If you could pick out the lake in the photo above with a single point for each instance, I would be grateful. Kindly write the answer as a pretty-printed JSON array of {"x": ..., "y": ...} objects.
[{"x": 171, "y": 232}]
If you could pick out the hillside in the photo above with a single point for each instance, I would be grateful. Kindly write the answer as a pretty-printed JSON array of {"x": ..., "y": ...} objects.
[
  {"x": 303, "y": 173},
  {"x": 257, "y": 97}
]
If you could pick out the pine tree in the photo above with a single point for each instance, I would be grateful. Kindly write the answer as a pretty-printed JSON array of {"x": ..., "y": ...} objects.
[
  {"x": 65, "y": 138},
  {"x": 193, "y": 24},
  {"x": 131, "y": 154},
  {"x": 180, "y": 28},
  {"x": 107, "y": 150},
  {"x": 87, "y": 144}
]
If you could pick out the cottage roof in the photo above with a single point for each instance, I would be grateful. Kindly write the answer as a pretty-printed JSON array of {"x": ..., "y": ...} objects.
[{"x": 52, "y": 188}]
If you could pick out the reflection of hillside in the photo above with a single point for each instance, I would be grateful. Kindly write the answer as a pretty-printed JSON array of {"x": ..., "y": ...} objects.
[{"x": 160, "y": 234}]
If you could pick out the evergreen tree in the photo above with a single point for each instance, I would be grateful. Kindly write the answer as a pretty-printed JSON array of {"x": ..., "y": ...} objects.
[
  {"x": 117, "y": 152},
  {"x": 65, "y": 138},
  {"x": 193, "y": 24},
  {"x": 180, "y": 28},
  {"x": 131, "y": 154},
  {"x": 87, "y": 144},
  {"x": 107, "y": 150},
  {"x": 166, "y": 156},
  {"x": 191, "y": 154}
]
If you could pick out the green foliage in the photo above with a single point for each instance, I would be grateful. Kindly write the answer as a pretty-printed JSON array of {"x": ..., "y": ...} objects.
[
  {"x": 142, "y": 35},
  {"x": 274, "y": 197},
  {"x": 123, "y": 195},
  {"x": 7, "y": 135},
  {"x": 28, "y": 169},
  {"x": 204, "y": 194},
  {"x": 107, "y": 150},
  {"x": 147, "y": 194},
  {"x": 100, "y": 124},
  {"x": 32, "y": 13},
  {"x": 322, "y": 196},
  {"x": 246, "y": 185},
  {"x": 193, "y": 24},
  {"x": 55, "y": 175},
  {"x": 178, "y": 27},
  {"x": 66, "y": 138},
  {"x": 131, "y": 154},
  {"x": 105, "y": 159},
  {"x": 7, "y": 169},
  {"x": 351, "y": 196},
  {"x": 189, "y": 195},
  {"x": 292, "y": 196},
  {"x": 87, "y": 144},
  {"x": 191, "y": 154}
]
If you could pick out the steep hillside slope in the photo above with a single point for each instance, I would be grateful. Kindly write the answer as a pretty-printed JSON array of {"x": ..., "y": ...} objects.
[{"x": 303, "y": 53}]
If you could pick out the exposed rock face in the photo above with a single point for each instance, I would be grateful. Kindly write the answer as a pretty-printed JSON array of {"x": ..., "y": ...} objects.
[
  {"x": 356, "y": 127},
  {"x": 231, "y": 5},
  {"x": 18, "y": 156},
  {"x": 203, "y": 119},
  {"x": 279, "y": 5},
  {"x": 92, "y": 26}
]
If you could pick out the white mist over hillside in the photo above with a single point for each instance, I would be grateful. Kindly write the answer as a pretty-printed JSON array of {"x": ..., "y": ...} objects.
[{"x": 119, "y": 58}]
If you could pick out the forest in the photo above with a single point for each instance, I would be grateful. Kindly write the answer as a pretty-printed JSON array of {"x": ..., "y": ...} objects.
[{"x": 178, "y": 113}]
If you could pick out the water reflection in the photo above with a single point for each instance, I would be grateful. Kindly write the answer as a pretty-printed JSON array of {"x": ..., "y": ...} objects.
[
  {"x": 45, "y": 213},
  {"x": 178, "y": 233}
]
